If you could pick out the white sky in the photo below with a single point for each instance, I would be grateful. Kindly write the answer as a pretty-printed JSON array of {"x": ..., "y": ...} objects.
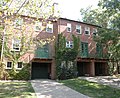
[{"x": 71, "y": 8}]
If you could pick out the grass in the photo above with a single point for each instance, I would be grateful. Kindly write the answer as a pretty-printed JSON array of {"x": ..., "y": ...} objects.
[
  {"x": 92, "y": 89},
  {"x": 16, "y": 90}
]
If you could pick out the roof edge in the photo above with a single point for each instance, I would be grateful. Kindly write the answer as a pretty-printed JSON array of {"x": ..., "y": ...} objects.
[{"x": 79, "y": 21}]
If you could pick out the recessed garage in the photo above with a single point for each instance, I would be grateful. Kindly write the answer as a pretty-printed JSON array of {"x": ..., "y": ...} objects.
[
  {"x": 83, "y": 68},
  {"x": 100, "y": 69},
  {"x": 40, "y": 70}
]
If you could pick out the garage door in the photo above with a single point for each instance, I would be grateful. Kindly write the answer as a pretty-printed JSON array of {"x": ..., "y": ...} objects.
[{"x": 39, "y": 70}]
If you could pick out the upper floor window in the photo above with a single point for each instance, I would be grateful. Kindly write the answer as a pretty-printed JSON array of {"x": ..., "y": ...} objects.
[
  {"x": 78, "y": 29},
  {"x": 87, "y": 30},
  {"x": 38, "y": 26},
  {"x": 84, "y": 49},
  {"x": 49, "y": 28},
  {"x": 69, "y": 27},
  {"x": 16, "y": 44},
  {"x": 69, "y": 44},
  {"x": 19, "y": 65},
  {"x": 18, "y": 22},
  {"x": 94, "y": 31},
  {"x": 9, "y": 65}
]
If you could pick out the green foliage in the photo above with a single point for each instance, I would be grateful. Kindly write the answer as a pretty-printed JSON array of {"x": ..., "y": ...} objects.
[
  {"x": 23, "y": 74},
  {"x": 12, "y": 74},
  {"x": 91, "y": 89},
  {"x": 65, "y": 57},
  {"x": 17, "y": 90},
  {"x": 108, "y": 17}
]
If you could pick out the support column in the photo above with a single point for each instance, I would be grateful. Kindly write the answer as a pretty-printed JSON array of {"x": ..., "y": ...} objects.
[
  {"x": 53, "y": 70},
  {"x": 106, "y": 68},
  {"x": 92, "y": 69}
]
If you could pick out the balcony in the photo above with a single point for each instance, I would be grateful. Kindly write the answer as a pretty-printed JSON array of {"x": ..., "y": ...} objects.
[
  {"x": 43, "y": 52},
  {"x": 99, "y": 56}
]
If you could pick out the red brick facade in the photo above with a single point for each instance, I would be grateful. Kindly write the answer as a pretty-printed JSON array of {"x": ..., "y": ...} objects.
[{"x": 60, "y": 26}]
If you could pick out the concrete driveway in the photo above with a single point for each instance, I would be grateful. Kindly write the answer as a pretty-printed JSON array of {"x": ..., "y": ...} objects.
[
  {"x": 104, "y": 80},
  {"x": 52, "y": 89}
]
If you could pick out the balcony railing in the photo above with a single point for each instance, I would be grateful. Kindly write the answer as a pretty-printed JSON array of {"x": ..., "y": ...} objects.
[
  {"x": 43, "y": 52},
  {"x": 93, "y": 55}
]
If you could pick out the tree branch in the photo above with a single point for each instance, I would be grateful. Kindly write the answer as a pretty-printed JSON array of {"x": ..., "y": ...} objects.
[{"x": 21, "y": 6}]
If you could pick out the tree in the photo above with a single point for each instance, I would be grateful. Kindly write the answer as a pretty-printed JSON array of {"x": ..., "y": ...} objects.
[
  {"x": 107, "y": 16},
  {"x": 10, "y": 9},
  {"x": 66, "y": 57}
]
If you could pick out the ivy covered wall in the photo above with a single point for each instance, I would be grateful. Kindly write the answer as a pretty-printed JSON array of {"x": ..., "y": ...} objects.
[{"x": 66, "y": 57}]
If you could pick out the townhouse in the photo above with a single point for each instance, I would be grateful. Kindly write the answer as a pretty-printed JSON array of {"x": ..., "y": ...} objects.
[{"x": 92, "y": 60}]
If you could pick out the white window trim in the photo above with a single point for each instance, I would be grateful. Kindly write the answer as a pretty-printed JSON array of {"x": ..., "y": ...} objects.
[
  {"x": 87, "y": 29},
  {"x": 94, "y": 32},
  {"x": 68, "y": 44},
  {"x": 17, "y": 66},
  {"x": 13, "y": 46},
  {"x": 69, "y": 26},
  {"x": 9, "y": 67},
  {"x": 20, "y": 20},
  {"x": 79, "y": 27},
  {"x": 39, "y": 24},
  {"x": 49, "y": 26}
]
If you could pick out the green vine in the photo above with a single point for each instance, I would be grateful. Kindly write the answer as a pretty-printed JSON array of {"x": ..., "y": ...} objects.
[{"x": 66, "y": 57}]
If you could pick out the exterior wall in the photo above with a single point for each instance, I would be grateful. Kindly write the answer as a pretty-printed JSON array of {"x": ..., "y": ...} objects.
[
  {"x": 29, "y": 28},
  {"x": 59, "y": 26},
  {"x": 62, "y": 28}
]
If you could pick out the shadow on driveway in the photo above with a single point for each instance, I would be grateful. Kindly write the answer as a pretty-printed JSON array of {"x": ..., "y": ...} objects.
[{"x": 53, "y": 89}]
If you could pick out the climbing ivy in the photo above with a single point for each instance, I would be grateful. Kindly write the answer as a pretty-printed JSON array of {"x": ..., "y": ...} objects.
[{"x": 66, "y": 57}]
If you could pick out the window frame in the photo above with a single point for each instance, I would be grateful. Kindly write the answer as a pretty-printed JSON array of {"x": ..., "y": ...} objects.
[
  {"x": 69, "y": 43},
  {"x": 84, "y": 49},
  {"x": 18, "y": 67},
  {"x": 18, "y": 23},
  {"x": 49, "y": 26},
  {"x": 94, "y": 32},
  {"x": 87, "y": 29},
  {"x": 13, "y": 42},
  {"x": 79, "y": 28},
  {"x": 69, "y": 27},
  {"x": 39, "y": 25},
  {"x": 7, "y": 65}
]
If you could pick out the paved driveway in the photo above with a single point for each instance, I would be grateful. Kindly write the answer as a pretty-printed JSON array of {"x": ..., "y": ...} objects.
[
  {"x": 104, "y": 80},
  {"x": 52, "y": 89}
]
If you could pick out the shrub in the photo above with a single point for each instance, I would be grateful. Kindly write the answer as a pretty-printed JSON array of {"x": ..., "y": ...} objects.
[{"x": 23, "y": 74}]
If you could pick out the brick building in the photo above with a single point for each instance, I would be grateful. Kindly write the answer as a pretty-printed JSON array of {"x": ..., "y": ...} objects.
[{"x": 90, "y": 62}]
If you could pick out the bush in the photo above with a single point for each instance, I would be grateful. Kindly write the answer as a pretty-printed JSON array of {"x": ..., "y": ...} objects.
[
  {"x": 67, "y": 74},
  {"x": 23, "y": 74}
]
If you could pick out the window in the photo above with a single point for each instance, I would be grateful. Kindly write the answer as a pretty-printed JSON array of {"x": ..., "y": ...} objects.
[
  {"x": 94, "y": 32},
  {"x": 87, "y": 30},
  {"x": 49, "y": 28},
  {"x": 99, "y": 50},
  {"x": 9, "y": 65},
  {"x": 69, "y": 44},
  {"x": 16, "y": 45},
  {"x": 38, "y": 26},
  {"x": 19, "y": 65},
  {"x": 68, "y": 27},
  {"x": 84, "y": 49},
  {"x": 18, "y": 22},
  {"x": 78, "y": 29}
]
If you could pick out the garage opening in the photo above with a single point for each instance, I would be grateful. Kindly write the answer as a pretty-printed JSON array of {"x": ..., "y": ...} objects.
[
  {"x": 83, "y": 68},
  {"x": 40, "y": 70},
  {"x": 100, "y": 68}
]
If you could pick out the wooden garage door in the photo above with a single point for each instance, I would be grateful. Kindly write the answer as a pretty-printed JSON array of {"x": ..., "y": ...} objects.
[{"x": 39, "y": 70}]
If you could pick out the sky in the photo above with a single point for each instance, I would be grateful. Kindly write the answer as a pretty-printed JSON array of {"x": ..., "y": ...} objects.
[{"x": 71, "y": 8}]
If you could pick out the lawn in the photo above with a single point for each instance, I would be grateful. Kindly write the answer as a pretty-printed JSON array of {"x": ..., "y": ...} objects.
[
  {"x": 16, "y": 90},
  {"x": 92, "y": 89}
]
